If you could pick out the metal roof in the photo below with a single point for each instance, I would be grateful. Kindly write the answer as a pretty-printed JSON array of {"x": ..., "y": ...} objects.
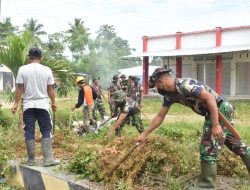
[
  {"x": 193, "y": 51},
  {"x": 4, "y": 69}
]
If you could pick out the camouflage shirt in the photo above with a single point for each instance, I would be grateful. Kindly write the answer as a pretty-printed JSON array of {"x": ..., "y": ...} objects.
[
  {"x": 126, "y": 104},
  {"x": 98, "y": 89},
  {"x": 187, "y": 94},
  {"x": 112, "y": 88}
]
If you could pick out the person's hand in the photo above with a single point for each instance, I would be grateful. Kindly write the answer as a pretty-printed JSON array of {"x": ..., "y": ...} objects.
[
  {"x": 14, "y": 108},
  {"x": 217, "y": 132},
  {"x": 54, "y": 107},
  {"x": 141, "y": 139}
]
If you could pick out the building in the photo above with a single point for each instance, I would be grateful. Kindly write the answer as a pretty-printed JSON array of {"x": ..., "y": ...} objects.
[
  {"x": 219, "y": 57},
  {"x": 136, "y": 71},
  {"x": 6, "y": 79}
]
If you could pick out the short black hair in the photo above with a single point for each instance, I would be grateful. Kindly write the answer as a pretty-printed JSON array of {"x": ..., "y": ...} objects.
[
  {"x": 156, "y": 75},
  {"x": 35, "y": 52}
]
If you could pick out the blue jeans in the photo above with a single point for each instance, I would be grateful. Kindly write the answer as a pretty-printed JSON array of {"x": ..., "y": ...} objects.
[{"x": 44, "y": 121}]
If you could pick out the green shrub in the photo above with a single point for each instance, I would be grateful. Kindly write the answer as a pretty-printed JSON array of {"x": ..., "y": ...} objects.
[
  {"x": 5, "y": 120},
  {"x": 85, "y": 164}
]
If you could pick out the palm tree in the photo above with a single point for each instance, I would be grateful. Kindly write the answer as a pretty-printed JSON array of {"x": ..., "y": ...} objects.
[
  {"x": 6, "y": 29},
  {"x": 35, "y": 29},
  {"x": 14, "y": 55},
  {"x": 78, "y": 38}
]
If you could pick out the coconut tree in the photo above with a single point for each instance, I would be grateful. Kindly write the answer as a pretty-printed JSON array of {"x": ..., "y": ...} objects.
[
  {"x": 6, "y": 29},
  {"x": 14, "y": 54},
  {"x": 35, "y": 29},
  {"x": 78, "y": 38}
]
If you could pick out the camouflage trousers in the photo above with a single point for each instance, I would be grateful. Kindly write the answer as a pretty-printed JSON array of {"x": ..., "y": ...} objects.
[
  {"x": 100, "y": 107},
  {"x": 136, "y": 120},
  {"x": 211, "y": 148},
  {"x": 112, "y": 107},
  {"x": 87, "y": 117}
]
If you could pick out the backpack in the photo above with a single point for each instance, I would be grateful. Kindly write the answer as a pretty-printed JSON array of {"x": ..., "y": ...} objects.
[{"x": 94, "y": 93}]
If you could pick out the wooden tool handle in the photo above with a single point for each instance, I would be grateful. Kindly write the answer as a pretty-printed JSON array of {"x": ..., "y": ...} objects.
[{"x": 229, "y": 126}]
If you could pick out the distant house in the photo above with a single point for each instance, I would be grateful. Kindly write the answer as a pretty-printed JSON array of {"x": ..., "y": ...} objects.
[{"x": 6, "y": 78}]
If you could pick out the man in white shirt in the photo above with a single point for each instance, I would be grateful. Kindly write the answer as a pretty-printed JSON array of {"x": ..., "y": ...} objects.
[{"x": 35, "y": 82}]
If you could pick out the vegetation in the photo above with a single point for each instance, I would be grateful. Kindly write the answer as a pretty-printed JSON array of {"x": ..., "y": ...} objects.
[
  {"x": 168, "y": 157},
  {"x": 100, "y": 56}
]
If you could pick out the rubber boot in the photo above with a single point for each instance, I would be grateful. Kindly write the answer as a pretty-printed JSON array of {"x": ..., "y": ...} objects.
[
  {"x": 30, "y": 148},
  {"x": 47, "y": 153},
  {"x": 87, "y": 128},
  {"x": 2, "y": 178},
  {"x": 207, "y": 178},
  {"x": 246, "y": 160}
]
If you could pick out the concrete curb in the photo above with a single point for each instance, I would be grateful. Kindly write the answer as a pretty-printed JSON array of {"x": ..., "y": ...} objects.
[{"x": 47, "y": 178}]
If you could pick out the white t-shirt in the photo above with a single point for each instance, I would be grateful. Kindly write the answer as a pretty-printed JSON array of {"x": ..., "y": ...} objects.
[{"x": 35, "y": 78}]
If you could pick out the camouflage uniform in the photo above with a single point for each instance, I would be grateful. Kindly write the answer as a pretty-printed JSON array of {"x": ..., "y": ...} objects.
[
  {"x": 136, "y": 91},
  {"x": 129, "y": 107},
  {"x": 113, "y": 87},
  {"x": 98, "y": 105},
  {"x": 187, "y": 92},
  {"x": 130, "y": 85},
  {"x": 123, "y": 83}
]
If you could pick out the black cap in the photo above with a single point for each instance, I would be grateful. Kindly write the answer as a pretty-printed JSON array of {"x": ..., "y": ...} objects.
[
  {"x": 35, "y": 52},
  {"x": 123, "y": 76},
  {"x": 96, "y": 78},
  {"x": 115, "y": 77},
  {"x": 157, "y": 74}
]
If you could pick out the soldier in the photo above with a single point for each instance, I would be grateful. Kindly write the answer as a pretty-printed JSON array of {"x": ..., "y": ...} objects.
[
  {"x": 130, "y": 85},
  {"x": 128, "y": 108},
  {"x": 123, "y": 82},
  {"x": 204, "y": 101},
  {"x": 136, "y": 92},
  {"x": 98, "y": 101},
  {"x": 113, "y": 87}
]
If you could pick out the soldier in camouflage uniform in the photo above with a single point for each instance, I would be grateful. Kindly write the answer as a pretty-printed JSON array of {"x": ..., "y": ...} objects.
[
  {"x": 136, "y": 91},
  {"x": 130, "y": 85},
  {"x": 113, "y": 87},
  {"x": 123, "y": 82},
  {"x": 204, "y": 101},
  {"x": 98, "y": 100},
  {"x": 128, "y": 108}
]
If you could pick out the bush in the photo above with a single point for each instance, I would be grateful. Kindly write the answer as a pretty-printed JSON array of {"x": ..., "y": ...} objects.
[
  {"x": 85, "y": 164},
  {"x": 5, "y": 120}
]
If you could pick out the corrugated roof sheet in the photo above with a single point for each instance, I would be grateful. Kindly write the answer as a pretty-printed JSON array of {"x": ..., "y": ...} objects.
[{"x": 194, "y": 51}]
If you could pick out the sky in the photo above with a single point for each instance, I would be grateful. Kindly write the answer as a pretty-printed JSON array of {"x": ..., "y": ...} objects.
[{"x": 131, "y": 19}]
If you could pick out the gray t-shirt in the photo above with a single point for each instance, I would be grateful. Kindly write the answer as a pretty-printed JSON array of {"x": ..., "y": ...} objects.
[{"x": 35, "y": 78}]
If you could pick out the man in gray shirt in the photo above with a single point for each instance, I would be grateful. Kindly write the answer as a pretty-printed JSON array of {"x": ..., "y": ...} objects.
[{"x": 34, "y": 81}]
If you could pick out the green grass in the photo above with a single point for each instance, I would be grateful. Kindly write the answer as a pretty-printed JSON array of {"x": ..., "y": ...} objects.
[{"x": 172, "y": 145}]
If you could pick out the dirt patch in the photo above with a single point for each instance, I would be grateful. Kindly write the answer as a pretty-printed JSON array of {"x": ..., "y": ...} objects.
[{"x": 222, "y": 182}]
